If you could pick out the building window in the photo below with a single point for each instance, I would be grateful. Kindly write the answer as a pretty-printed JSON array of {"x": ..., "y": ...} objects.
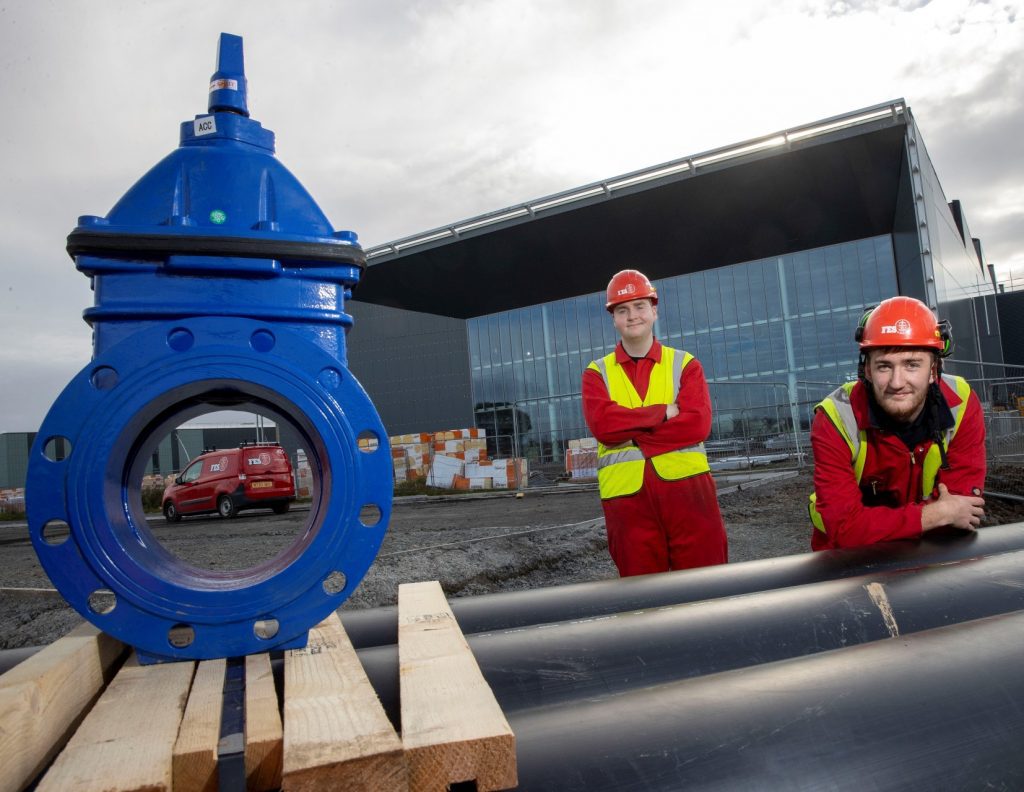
[{"x": 773, "y": 330}]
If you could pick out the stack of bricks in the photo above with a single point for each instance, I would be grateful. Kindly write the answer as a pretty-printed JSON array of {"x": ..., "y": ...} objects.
[
  {"x": 453, "y": 459},
  {"x": 411, "y": 454},
  {"x": 12, "y": 501},
  {"x": 493, "y": 474},
  {"x": 581, "y": 459}
]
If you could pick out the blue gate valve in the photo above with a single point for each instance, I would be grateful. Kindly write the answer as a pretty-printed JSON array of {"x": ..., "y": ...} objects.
[{"x": 218, "y": 282}]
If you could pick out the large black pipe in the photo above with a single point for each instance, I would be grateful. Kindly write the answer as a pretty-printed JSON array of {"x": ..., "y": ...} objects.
[
  {"x": 501, "y": 611},
  {"x": 556, "y": 664},
  {"x": 9, "y": 658},
  {"x": 938, "y": 710}
]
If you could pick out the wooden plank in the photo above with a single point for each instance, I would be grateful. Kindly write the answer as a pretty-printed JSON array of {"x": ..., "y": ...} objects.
[
  {"x": 264, "y": 737},
  {"x": 43, "y": 699},
  {"x": 194, "y": 759},
  {"x": 453, "y": 729},
  {"x": 126, "y": 742},
  {"x": 336, "y": 734}
]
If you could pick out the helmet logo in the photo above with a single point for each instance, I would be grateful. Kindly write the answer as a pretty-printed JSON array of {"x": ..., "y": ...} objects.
[
  {"x": 629, "y": 288},
  {"x": 902, "y": 327}
]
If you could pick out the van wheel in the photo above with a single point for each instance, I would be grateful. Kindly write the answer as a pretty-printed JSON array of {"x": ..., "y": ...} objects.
[
  {"x": 171, "y": 512},
  {"x": 226, "y": 507},
  {"x": 281, "y": 508}
]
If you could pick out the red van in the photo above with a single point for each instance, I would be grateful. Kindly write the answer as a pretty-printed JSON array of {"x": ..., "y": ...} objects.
[{"x": 257, "y": 476}]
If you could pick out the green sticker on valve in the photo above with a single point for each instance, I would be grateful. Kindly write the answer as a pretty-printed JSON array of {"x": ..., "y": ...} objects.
[{"x": 218, "y": 216}]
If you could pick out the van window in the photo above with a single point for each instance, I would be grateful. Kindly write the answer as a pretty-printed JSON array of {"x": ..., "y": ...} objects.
[{"x": 192, "y": 472}]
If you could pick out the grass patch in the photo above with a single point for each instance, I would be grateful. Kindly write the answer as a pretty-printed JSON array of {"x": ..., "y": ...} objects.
[{"x": 419, "y": 487}]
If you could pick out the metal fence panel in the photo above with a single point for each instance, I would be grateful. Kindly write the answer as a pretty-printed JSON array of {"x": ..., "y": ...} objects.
[
  {"x": 1004, "y": 445},
  {"x": 765, "y": 425}
]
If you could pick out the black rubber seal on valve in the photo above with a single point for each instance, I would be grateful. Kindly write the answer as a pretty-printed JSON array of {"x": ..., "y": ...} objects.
[{"x": 160, "y": 245}]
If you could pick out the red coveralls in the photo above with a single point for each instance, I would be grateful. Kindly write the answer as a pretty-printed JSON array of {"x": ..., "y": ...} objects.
[
  {"x": 667, "y": 524},
  {"x": 890, "y": 470}
]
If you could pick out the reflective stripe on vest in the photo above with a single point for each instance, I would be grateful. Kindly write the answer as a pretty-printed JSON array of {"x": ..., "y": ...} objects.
[
  {"x": 620, "y": 469},
  {"x": 839, "y": 410}
]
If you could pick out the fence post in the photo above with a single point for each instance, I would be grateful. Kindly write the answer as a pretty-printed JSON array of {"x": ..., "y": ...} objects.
[{"x": 515, "y": 430}]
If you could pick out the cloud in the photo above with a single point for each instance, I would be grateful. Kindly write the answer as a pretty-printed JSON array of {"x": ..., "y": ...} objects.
[{"x": 841, "y": 8}]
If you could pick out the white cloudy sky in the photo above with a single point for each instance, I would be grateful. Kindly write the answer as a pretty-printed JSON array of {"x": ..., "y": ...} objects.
[{"x": 401, "y": 115}]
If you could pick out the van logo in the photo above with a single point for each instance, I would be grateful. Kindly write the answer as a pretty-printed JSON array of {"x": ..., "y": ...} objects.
[
  {"x": 220, "y": 465},
  {"x": 262, "y": 459},
  {"x": 902, "y": 327}
]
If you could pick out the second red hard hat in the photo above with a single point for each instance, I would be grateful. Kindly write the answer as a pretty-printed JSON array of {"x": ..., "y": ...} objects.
[{"x": 901, "y": 321}]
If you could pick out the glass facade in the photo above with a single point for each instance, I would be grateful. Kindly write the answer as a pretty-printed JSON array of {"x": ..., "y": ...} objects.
[
  {"x": 959, "y": 282},
  {"x": 772, "y": 336}
]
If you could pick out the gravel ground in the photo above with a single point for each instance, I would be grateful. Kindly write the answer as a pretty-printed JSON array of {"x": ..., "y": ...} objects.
[{"x": 471, "y": 544}]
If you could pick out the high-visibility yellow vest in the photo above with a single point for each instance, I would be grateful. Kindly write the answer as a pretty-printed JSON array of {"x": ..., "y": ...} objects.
[
  {"x": 839, "y": 410},
  {"x": 620, "y": 469}
]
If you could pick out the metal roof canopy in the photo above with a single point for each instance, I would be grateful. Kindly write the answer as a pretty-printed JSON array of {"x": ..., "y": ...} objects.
[{"x": 820, "y": 184}]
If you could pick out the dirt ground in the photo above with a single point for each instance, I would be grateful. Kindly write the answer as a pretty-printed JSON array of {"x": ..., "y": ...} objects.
[{"x": 471, "y": 544}]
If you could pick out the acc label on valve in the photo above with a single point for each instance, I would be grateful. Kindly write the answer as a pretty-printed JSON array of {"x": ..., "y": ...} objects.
[{"x": 206, "y": 125}]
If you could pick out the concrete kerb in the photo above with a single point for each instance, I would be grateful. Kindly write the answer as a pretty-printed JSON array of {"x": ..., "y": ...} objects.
[
  {"x": 726, "y": 484},
  {"x": 752, "y": 481}
]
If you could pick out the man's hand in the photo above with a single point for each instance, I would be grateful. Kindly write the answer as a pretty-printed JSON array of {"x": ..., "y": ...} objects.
[
  {"x": 671, "y": 411},
  {"x": 960, "y": 511}
]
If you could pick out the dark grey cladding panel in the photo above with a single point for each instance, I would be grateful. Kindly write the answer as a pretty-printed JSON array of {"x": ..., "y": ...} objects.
[
  {"x": 414, "y": 366},
  {"x": 1011, "y": 326},
  {"x": 989, "y": 331},
  {"x": 14, "y": 450},
  {"x": 811, "y": 196}
]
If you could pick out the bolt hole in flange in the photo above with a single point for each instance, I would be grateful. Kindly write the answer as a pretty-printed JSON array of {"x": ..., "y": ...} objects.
[
  {"x": 57, "y": 449},
  {"x": 181, "y": 636},
  {"x": 56, "y": 532},
  {"x": 262, "y": 341},
  {"x": 265, "y": 629},
  {"x": 335, "y": 583},
  {"x": 370, "y": 515},
  {"x": 180, "y": 339},
  {"x": 102, "y": 601},
  {"x": 368, "y": 441},
  {"x": 103, "y": 378}
]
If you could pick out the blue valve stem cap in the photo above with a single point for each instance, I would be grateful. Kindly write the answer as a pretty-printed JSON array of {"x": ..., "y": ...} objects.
[{"x": 227, "y": 85}]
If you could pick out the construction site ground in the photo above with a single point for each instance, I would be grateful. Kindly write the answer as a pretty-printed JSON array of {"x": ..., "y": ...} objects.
[{"x": 472, "y": 544}]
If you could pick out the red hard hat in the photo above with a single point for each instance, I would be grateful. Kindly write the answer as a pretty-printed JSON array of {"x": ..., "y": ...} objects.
[
  {"x": 901, "y": 322},
  {"x": 629, "y": 285}
]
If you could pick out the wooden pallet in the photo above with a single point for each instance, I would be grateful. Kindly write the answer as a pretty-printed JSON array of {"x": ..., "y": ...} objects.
[{"x": 97, "y": 721}]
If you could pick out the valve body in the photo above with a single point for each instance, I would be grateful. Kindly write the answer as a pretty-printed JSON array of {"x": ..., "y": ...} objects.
[{"x": 219, "y": 284}]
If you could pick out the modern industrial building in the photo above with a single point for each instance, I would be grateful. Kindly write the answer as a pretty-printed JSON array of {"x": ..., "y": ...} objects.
[{"x": 765, "y": 255}]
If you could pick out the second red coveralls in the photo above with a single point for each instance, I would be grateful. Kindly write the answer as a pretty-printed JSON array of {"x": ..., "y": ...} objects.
[
  {"x": 886, "y": 503},
  {"x": 666, "y": 524}
]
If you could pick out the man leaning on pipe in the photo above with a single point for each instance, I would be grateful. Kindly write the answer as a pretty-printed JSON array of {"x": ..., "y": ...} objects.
[
  {"x": 649, "y": 408},
  {"x": 901, "y": 450}
]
